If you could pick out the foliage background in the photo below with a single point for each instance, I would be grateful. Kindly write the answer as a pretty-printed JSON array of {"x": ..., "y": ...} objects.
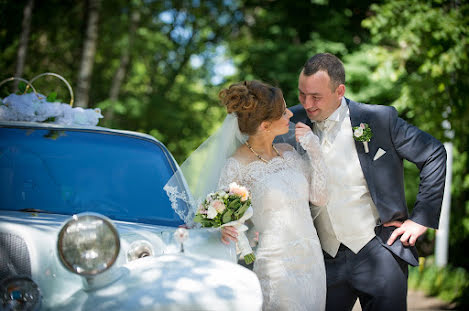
[{"x": 159, "y": 65}]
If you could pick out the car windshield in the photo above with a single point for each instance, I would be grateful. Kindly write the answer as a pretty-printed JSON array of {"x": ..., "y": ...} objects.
[{"x": 71, "y": 171}]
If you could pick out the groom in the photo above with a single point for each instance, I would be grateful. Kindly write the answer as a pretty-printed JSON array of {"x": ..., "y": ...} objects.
[{"x": 366, "y": 232}]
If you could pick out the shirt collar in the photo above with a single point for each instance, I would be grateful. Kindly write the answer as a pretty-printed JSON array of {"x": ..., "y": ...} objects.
[{"x": 336, "y": 116}]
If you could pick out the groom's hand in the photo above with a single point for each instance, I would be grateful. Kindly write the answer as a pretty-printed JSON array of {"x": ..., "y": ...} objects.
[
  {"x": 300, "y": 130},
  {"x": 229, "y": 233},
  {"x": 409, "y": 231}
]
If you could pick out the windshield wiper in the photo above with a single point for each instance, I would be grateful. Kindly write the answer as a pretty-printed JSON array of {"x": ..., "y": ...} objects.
[{"x": 34, "y": 210}]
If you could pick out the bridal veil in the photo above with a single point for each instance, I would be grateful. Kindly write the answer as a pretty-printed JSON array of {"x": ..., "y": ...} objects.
[{"x": 201, "y": 171}]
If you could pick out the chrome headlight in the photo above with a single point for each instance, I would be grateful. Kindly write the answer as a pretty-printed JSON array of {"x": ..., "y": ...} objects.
[{"x": 88, "y": 244}]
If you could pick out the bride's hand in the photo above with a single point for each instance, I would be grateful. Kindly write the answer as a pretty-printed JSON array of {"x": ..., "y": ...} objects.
[
  {"x": 307, "y": 139},
  {"x": 229, "y": 233},
  {"x": 301, "y": 129}
]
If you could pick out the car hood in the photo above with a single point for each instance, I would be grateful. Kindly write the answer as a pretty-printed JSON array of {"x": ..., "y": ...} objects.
[
  {"x": 205, "y": 256},
  {"x": 174, "y": 282}
]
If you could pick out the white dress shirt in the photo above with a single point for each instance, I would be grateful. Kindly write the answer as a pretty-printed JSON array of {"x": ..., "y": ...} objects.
[{"x": 350, "y": 215}]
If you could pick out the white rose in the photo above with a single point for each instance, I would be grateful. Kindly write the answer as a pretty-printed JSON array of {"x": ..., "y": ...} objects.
[
  {"x": 211, "y": 212},
  {"x": 358, "y": 132}
]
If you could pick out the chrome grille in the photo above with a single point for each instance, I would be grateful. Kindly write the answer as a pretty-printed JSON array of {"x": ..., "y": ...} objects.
[{"x": 14, "y": 256}]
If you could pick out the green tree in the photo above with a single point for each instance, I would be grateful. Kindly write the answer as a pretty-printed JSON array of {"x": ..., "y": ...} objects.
[
  {"x": 167, "y": 90},
  {"x": 88, "y": 51}
]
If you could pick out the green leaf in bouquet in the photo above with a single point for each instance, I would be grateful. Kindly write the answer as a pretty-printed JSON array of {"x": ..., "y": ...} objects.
[
  {"x": 206, "y": 223},
  {"x": 240, "y": 212},
  {"x": 227, "y": 216},
  {"x": 52, "y": 97},
  {"x": 198, "y": 218},
  {"x": 234, "y": 203}
]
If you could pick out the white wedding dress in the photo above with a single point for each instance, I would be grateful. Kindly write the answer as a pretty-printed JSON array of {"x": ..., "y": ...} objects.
[{"x": 289, "y": 260}]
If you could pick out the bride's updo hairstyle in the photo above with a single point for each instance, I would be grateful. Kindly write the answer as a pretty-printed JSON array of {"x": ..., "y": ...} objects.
[{"x": 253, "y": 102}]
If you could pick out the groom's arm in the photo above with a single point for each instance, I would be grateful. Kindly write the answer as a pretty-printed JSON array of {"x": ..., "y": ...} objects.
[{"x": 429, "y": 155}]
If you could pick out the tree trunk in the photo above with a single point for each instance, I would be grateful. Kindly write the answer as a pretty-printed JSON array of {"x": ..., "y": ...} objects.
[
  {"x": 88, "y": 53},
  {"x": 23, "y": 44},
  {"x": 124, "y": 63}
]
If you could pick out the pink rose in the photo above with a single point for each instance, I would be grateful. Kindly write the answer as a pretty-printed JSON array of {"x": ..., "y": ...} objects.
[{"x": 218, "y": 205}]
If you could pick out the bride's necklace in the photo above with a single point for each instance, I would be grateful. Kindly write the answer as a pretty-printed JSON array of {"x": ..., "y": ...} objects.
[{"x": 258, "y": 156}]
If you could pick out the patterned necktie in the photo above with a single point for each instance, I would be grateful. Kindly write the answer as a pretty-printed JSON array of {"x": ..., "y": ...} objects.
[{"x": 325, "y": 127}]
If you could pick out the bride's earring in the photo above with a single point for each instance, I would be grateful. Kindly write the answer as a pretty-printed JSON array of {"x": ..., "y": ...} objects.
[{"x": 267, "y": 128}]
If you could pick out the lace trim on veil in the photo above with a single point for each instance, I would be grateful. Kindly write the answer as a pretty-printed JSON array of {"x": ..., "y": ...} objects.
[{"x": 175, "y": 196}]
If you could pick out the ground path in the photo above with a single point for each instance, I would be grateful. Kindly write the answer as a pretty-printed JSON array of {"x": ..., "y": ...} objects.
[{"x": 417, "y": 300}]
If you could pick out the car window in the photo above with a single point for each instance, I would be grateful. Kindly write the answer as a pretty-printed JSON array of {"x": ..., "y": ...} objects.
[{"x": 72, "y": 171}]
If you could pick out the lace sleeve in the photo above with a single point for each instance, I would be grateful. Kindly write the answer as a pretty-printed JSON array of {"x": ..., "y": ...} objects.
[
  {"x": 230, "y": 173},
  {"x": 317, "y": 172}
]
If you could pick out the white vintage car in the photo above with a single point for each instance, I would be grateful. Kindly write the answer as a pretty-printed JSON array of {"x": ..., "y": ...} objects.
[{"x": 86, "y": 225}]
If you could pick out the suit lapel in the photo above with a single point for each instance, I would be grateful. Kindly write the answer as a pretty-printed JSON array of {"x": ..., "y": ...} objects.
[
  {"x": 309, "y": 123},
  {"x": 357, "y": 116}
]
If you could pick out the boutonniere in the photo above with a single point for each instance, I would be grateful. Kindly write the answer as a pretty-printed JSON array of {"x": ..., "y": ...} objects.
[{"x": 363, "y": 133}]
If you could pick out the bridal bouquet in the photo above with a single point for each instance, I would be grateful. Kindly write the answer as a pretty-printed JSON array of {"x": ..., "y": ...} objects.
[{"x": 228, "y": 207}]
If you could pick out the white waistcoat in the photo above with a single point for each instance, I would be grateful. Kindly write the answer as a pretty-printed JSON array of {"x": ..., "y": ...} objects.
[{"x": 350, "y": 215}]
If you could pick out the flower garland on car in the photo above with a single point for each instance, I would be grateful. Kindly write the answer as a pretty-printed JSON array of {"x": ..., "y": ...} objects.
[
  {"x": 35, "y": 107},
  {"x": 31, "y": 107}
]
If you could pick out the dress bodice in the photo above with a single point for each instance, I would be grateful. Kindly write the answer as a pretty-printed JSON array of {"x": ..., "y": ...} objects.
[{"x": 280, "y": 193}]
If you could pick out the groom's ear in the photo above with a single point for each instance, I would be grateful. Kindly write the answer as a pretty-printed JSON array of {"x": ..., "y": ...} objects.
[{"x": 340, "y": 90}]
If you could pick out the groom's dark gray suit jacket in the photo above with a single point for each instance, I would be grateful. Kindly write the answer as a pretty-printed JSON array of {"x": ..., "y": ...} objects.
[{"x": 385, "y": 176}]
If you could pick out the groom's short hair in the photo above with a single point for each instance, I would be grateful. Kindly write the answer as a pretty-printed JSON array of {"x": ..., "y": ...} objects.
[{"x": 328, "y": 63}]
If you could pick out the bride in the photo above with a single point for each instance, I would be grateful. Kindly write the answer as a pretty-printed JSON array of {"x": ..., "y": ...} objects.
[{"x": 289, "y": 260}]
